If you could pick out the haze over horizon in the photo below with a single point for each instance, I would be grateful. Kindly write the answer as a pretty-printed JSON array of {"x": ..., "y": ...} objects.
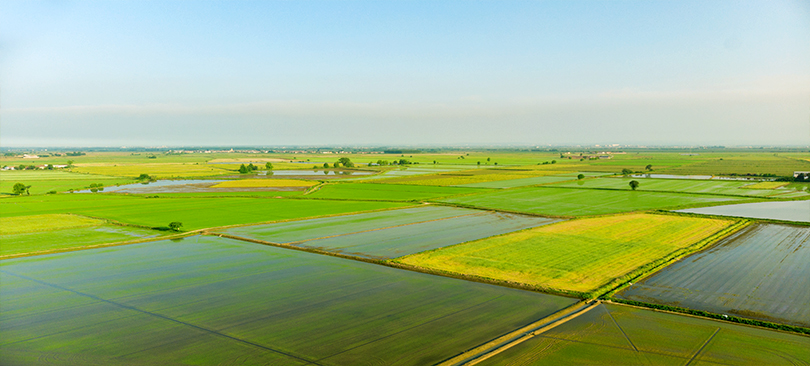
[{"x": 149, "y": 73}]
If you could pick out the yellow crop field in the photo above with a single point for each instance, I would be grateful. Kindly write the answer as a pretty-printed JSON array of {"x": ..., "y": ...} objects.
[
  {"x": 50, "y": 222},
  {"x": 578, "y": 255},
  {"x": 265, "y": 183},
  {"x": 767, "y": 185},
  {"x": 468, "y": 177},
  {"x": 159, "y": 170}
]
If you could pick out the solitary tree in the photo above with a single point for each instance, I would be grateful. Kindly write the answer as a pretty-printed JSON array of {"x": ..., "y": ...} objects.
[
  {"x": 243, "y": 169},
  {"x": 175, "y": 225},
  {"x": 648, "y": 167},
  {"x": 626, "y": 171},
  {"x": 581, "y": 176},
  {"x": 634, "y": 184},
  {"x": 19, "y": 188},
  {"x": 268, "y": 165}
]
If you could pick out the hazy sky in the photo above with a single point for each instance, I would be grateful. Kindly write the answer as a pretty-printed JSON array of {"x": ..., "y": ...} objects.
[{"x": 111, "y": 73}]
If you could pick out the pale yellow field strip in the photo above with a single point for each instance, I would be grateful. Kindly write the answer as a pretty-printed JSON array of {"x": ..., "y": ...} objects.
[
  {"x": 767, "y": 185},
  {"x": 48, "y": 222}
]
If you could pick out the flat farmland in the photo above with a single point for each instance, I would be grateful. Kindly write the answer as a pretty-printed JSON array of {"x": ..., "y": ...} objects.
[
  {"x": 194, "y": 213},
  {"x": 736, "y": 188},
  {"x": 392, "y": 233},
  {"x": 742, "y": 164},
  {"x": 209, "y": 300},
  {"x": 391, "y": 192},
  {"x": 579, "y": 202},
  {"x": 160, "y": 170},
  {"x": 38, "y": 233},
  {"x": 620, "y": 335},
  {"x": 577, "y": 255},
  {"x": 787, "y": 210},
  {"x": 43, "y": 181},
  {"x": 463, "y": 177},
  {"x": 760, "y": 272},
  {"x": 43, "y": 241},
  {"x": 512, "y": 183}
]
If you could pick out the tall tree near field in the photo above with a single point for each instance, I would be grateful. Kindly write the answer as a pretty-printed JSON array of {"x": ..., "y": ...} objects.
[
  {"x": 648, "y": 167},
  {"x": 346, "y": 162},
  {"x": 268, "y": 165},
  {"x": 19, "y": 188},
  {"x": 634, "y": 184}
]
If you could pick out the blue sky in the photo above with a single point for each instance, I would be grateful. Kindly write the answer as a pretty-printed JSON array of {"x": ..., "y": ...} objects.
[{"x": 404, "y": 72}]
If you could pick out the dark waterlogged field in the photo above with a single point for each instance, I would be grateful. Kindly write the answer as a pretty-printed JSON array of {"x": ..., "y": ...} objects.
[
  {"x": 760, "y": 272},
  {"x": 620, "y": 335},
  {"x": 392, "y": 233},
  {"x": 208, "y": 300},
  {"x": 576, "y": 202}
]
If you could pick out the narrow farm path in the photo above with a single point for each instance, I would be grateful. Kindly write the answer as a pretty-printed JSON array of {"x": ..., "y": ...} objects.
[{"x": 500, "y": 344}]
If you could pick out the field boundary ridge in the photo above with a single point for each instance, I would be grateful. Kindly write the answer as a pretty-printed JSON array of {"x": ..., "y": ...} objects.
[{"x": 509, "y": 340}]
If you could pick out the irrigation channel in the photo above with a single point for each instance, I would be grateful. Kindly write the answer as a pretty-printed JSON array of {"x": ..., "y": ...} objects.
[{"x": 505, "y": 342}]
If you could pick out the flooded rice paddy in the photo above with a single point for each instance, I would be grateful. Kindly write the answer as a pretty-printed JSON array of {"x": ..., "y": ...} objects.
[
  {"x": 209, "y": 300},
  {"x": 760, "y": 272}
]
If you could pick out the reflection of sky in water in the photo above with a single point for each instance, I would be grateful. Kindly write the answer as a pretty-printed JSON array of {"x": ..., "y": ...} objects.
[
  {"x": 159, "y": 183},
  {"x": 789, "y": 210},
  {"x": 312, "y": 172},
  {"x": 698, "y": 177}
]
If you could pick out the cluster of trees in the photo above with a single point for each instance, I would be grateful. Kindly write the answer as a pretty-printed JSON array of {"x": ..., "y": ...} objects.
[
  {"x": 801, "y": 177},
  {"x": 146, "y": 178},
  {"x": 75, "y": 153},
  {"x": 95, "y": 187},
  {"x": 20, "y": 188},
  {"x": 244, "y": 169}
]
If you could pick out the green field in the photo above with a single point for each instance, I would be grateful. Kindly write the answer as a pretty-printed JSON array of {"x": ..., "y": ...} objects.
[
  {"x": 521, "y": 182},
  {"x": 194, "y": 213},
  {"x": 743, "y": 164},
  {"x": 34, "y": 223},
  {"x": 393, "y": 192},
  {"x": 760, "y": 272},
  {"x": 621, "y": 335},
  {"x": 208, "y": 300},
  {"x": 574, "y": 256},
  {"x": 43, "y": 181},
  {"x": 45, "y": 241},
  {"x": 578, "y": 202},
  {"x": 736, "y": 188}
]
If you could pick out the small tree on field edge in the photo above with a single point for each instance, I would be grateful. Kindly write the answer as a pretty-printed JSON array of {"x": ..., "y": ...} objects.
[
  {"x": 175, "y": 225},
  {"x": 634, "y": 184},
  {"x": 20, "y": 188},
  {"x": 648, "y": 167},
  {"x": 581, "y": 176}
]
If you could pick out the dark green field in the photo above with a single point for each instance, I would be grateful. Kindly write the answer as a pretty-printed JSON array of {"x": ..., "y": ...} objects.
[{"x": 208, "y": 300}]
